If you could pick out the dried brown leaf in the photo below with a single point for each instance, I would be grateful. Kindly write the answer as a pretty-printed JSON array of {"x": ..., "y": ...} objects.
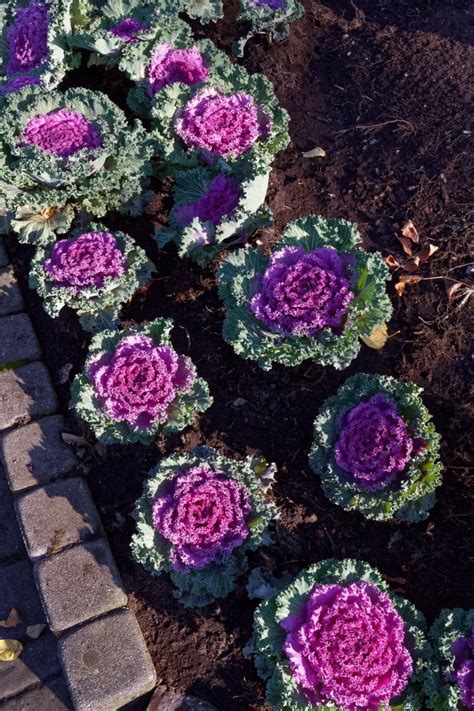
[
  {"x": 410, "y": 232},
  {"x": 390, "y": 261},
  {"x": 406, "y": 245},
  {"x": 411, "y": 265},
  {"x": 317, "y": 152},
  {"x": 13, "y": 619},
  {"x": 452, "y": 287},
  {"x": 426, "y": 252},
  {"x": 406, "y": 279},
  {"x": 378, "y": 338}
]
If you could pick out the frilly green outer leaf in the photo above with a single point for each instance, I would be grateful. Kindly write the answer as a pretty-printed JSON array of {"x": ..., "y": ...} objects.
[
  {"x": 84, "y": 401},
  {"x": 37, "y": 184},
  {"x": 95, "y": 306},
  {"x": 416, "y": 494},
  {"x": 269, "y": 636},
  {"x": 442, "y": 694},
  {"x": 229, "y": 78},
  {"x": 150, "y": 549},
  {"x": 264, "y": 20},
  {"x": 252, "y": 339}
]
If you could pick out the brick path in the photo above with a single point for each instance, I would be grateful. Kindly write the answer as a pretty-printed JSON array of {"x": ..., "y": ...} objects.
[{"x": 56, "y": 566}]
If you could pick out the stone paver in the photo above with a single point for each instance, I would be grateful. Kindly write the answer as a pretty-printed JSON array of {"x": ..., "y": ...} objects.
[
  {"x": 18, "y": 340},
  {"x": 53, "y": 695},
  {"x": 37, "y": 662},
  {"x": 79, "y": 583},
  {"x": 55, "y": 516},
  {"x": 11, "y": 300},
  {"x": 3, "y": 254},
  {"x": 17, "y": 589},
  {"x": 106, "y": 662},
  {"x": 10, "y": 537},
  {"x": 25, "y": 392},
  {"x": 36, "y": 453}
]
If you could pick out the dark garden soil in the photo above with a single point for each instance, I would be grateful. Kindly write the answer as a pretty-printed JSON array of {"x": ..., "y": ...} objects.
[{"x": 385, "y": 87}]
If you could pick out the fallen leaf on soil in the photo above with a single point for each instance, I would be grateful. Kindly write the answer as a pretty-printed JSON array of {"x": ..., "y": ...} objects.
[
  {"x": 377, "y": 338},
  {"x": 411, "y": 265},
  {"x": 452, "y": 288},
  {"x": 34, "y": 631},
  {"x": 406, "y": 279},
  {"x": 390, "y": 261},
  {"x": 410, "y": 232},
  {"x": 12, "y": 620},
  {"x": 74, "y": 439},
  {"x": 10, "y": 649},
  {"x": 426, "y": 252},
  {"x": 317, "y": 152},
  {"x": 406, "y": 245}
]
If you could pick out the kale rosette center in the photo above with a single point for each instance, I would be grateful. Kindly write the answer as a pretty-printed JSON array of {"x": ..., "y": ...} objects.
[
  {"x": 127, "y": 29},
  {"x": 463, "y": 674},
  {"x": 221, "y": 198},
  {"x": 62, "y": 132},
  {"x": 27, "y": 38},
  {"x": 170, "y": 66}
]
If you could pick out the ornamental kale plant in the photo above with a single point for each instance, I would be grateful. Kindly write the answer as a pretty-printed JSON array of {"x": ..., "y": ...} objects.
[
  {"x": 269, "y": 17},
  {"x": 233, "y": 115},
  {"x": 376, "y": 449},
  {"x": 313, "y": 297},
  {"x": 451, "y": 686},
  {"x": 199, "y": 515},
  {"x": 32, "y": 43},
  {"x": 211, "y": 206},
  {"x": 134, "y": 385},
  {"x": 337, "y": 638},
  {"x": 66, "y": 152},
  {"x": 94, "y": 273}
]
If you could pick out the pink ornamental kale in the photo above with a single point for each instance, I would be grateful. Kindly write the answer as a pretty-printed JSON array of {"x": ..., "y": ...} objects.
[
  {"x": 463, "y": 675},
  {"x": 270, "y": 4},
  {"x": 203, "y": 515},
  {"x": 374, "y": 443},
  {"x": 127, "y": 29},
  {"x": 10, "y": 87},
  {"x": 223, "y": 124},
  {"x": 27, "y": 38},
  {"x": 221, "y": 198},
  {"x": 302, "y": 292},
  {"x": 170, "y": 66},
  {"x": 140, "y": 380},
  {"x": 62, "y": 132},
  {"x": 85, "y": 261},
  {"x": 346, "y": 645}
]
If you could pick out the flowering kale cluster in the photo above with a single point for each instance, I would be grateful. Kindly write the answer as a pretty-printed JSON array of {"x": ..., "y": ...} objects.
[
  {"x": 128, "y": 29},
  {"x": 199, "y": 515},
  {"x": 62, "y": 132},
  {"x": 270, "y": 17},
  {"x": 451, "y": 685},
  {"x": 134, "y": 384},
  {"x": 376, "y": 449},
  {"x": 271, "y": 4},
  {"x": 312, "y": 298},
  {"x": 337, "y": 638},
  {"x": 27, "y": 38},
  {"x": 221, "y": 198},
  {"x": 13, "y": 85},
  {"x": 302, "y": 292},
  {"x": 170, "y": 66}
]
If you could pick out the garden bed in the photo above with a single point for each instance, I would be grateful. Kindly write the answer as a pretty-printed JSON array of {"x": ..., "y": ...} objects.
[{"x": 386, "y": 93}]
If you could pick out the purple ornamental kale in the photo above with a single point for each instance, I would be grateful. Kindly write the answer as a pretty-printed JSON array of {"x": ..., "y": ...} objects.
[
  {"x": 62, "y": 132},
  {"x": 374, "y": 444},
  {"x": 127, "y": 29},
  {"x": 203, "y": 514},
  {"x": 86, "y": 260},
  {"x": 346, "y": 646},
  {"x": 463, "y": 675},
  {"x": 139, "y": 381},
  {"x": 14, "y": 85},
  {"x": 220, "y": 200},
  {"x": 303, "y": 292},
  {"x": 27, "y": 38},
  {"x": 270, "y": 4},
  {"x": 170, "y": 66}
]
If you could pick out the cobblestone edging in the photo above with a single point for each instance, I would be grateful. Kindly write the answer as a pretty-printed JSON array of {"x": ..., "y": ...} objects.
[{"x": 94, "y": 637}]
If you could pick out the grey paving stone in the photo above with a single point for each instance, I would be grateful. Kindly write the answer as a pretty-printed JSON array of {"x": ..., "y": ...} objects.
[
  {"x": 38, "y": 661},
  {"x": 36, "y": 453},
  {"x": 78, "y": 584},
  {"x": 17, "y": 589},
  {"x": 106, "y": 662},
  {"x": 11, "y": 300},
  {"x": 3, "y": 254},
  {"x": 57, "y": 515},
  {"x": 53, "y": 695},
  {"x": 18, "y": 340},
  {"x": 25, "y": 392},
  {"x": 10, "y": 537}
]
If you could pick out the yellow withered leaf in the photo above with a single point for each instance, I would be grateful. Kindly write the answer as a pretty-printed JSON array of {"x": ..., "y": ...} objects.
[
  {"x": 377, "y": 338},
  {"x": 10, "y": 649}
]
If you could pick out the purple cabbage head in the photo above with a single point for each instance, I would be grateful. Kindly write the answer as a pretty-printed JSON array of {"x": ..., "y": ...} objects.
[
  {"x": 270, "y": 4},
  {"x": 463, "y": 675},
  {"x": 127, "y": 29},
  {"x": 203, "y": 514},
  {"x": 374, "y": 444},
  {"x": 170, "y": 66},
  {"x": 223, "y": 124},
  {"x": 61, "y": 132},
  {"x": 346, "y": 646},
  {"x": 86, "y": 260},
  {"x": 220, "y": 200},
  {"x": 139, "y": 381},
  {"x": 27, "y": 38},
  {"x": 303, "y": 292},
  {"x": 10, "y": 87}
]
